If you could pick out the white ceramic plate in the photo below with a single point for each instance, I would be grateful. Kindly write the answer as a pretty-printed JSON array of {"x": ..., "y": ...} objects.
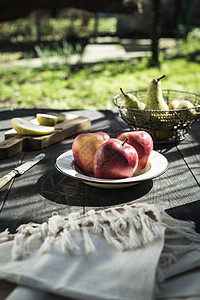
[{"x": 157, "y": 165}]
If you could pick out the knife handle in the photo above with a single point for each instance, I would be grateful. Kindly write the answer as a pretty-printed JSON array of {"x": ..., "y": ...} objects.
[{"x": 5, "y": 179}]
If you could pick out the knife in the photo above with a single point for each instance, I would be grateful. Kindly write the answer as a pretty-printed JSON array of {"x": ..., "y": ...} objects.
[{"x": 21, "y": 169}]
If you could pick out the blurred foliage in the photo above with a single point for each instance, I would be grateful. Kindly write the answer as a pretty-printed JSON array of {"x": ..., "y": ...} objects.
[
  {"x": 189, "y": 48},
  {"x": 93, "y": 86},
  {"x": 194, "y": 34},
  {"x": 23, "y": 30}
]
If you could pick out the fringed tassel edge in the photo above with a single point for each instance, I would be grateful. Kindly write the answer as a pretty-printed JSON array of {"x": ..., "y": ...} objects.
[{"x": 127, "y": 227}]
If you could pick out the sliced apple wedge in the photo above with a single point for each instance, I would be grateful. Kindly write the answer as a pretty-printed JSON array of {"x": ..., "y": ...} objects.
[{"x": 25, "y": 127}]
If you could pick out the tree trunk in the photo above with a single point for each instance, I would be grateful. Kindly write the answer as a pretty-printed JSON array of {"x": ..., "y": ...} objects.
[
  {"x": 155, "y": 31},
  {"x": 37, "y": 24}
]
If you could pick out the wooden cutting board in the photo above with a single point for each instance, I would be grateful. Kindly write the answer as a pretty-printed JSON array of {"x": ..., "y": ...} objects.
[{"x": 15, "y": 143}]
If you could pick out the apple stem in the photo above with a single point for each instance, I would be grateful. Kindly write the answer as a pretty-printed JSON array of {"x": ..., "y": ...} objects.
[
  {"x": 126, "y": 139},
  {"x": 122, "y": 92},
  {"x": 161, "y": 77}
]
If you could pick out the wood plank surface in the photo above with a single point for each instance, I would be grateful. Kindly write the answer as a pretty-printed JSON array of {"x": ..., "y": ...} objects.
[
  {"x": 190, "y": 151},
  {"x": 43, "y": 189}
]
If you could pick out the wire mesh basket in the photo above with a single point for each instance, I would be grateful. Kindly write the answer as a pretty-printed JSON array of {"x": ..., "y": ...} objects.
[{"x": 163, "y": 125}]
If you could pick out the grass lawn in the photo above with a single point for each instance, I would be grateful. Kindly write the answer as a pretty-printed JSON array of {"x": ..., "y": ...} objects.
[{"x": 94, "y": 86}]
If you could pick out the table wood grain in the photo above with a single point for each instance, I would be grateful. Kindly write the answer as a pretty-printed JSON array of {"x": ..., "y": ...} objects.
[{"x": 43, "y": 190}]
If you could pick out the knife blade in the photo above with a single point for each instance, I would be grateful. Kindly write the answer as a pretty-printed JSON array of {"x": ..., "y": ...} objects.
[{"x": 21, "y": 169}]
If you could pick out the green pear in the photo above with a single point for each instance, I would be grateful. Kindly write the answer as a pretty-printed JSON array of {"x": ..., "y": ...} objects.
[
  {"x": 46, "y": 119},
  {"x": 131, "y": 101},
  {"x": 25, "y": 127},
  {"x": 187, "y": 109},
  {"x": 154, "y": 97},
  {"x": 180, "y": 104},
  {"x": 155, "y": 101}
]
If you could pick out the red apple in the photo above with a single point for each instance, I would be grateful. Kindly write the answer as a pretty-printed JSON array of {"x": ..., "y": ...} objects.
[
  {"x": 84, "y": 147},
  {"x": 115, "y": 159},
  {"x": 142, "y": 142}
]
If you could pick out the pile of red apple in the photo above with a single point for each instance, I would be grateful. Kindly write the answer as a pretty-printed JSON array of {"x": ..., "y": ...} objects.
[{"x": 99, "y": 155}]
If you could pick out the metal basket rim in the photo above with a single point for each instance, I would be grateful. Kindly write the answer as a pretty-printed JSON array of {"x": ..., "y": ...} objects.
[{"x": 154, "y": 110}]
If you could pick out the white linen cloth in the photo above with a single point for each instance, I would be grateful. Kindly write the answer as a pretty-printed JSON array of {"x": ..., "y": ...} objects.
[{"x": 130, "y": 252}]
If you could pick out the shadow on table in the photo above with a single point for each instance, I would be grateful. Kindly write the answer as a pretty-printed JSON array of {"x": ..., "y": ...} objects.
[
  {"x": 187, "y": 212},
  {"x": 64, "y": 190}
]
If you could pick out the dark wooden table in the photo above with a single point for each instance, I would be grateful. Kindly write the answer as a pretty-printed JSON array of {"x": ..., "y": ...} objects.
[{"x": 42, "y": 190}]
